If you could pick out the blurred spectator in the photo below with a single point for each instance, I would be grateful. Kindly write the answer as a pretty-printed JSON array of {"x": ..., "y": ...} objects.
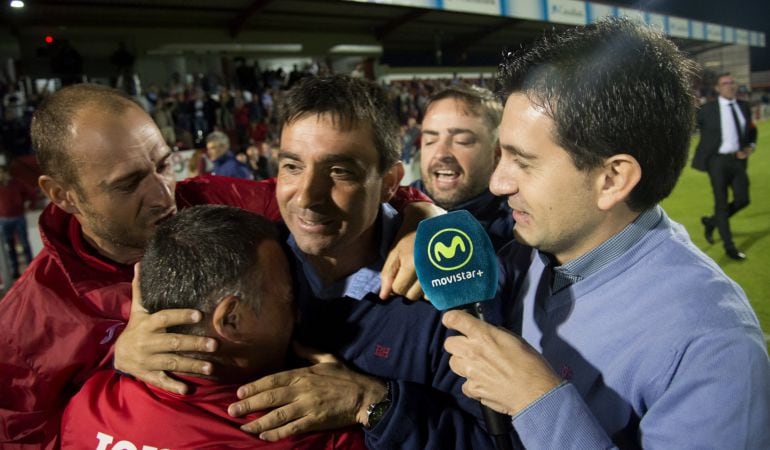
[
  {"x": 241, "y": 118},
  {"x": 15, "y": 199},
  {"x": 410, "y": 138},
  {"x": 358, "y": 71},
  {"x": 259, "y": 130},
  {"x": 294, "y": 76},
  {"x": 164, "y": 117},
  {"x": 14, "y": 130},
  {"x": 225, "y": 164},
  {"x": 199, "y": 164},
  {"x": 123, "y": 60},
  {"x": 66, "y": 62},
  {"x": 258, "y": 161},
  {"x": 200, "y": 124}
]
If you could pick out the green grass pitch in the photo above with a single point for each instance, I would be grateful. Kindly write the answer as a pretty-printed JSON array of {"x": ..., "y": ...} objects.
[{"x": 692, "y": 199}]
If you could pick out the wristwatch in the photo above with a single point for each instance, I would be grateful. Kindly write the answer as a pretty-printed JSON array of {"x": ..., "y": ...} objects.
[{"x": 377, "y": 410}]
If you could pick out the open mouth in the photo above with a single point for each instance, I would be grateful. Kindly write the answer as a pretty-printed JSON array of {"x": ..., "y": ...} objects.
[
  {"x": 519, "y": 215},
  {"x": 446, "y": 175}
]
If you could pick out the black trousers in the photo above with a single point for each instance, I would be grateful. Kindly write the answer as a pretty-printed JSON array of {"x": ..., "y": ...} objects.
[{"x": 727, "y": 172}]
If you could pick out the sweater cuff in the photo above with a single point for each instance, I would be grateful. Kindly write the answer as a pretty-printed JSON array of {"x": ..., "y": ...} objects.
[{"x": 560, "y": 419}]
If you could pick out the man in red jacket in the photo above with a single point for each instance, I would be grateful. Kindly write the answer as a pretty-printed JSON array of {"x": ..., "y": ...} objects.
[
  {"x": 106, "y": 171},
  {"x": 228, "y": 264}
]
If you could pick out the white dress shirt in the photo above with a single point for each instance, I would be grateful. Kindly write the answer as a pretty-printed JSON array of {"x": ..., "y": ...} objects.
[{"x": 730, "y": 135}]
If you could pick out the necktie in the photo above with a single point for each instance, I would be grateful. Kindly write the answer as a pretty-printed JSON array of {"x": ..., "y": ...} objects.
[{"x": 738, "y": 127}]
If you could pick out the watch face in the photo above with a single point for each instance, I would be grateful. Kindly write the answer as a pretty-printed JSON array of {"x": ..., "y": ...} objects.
[{"x": 376, "y": 412}]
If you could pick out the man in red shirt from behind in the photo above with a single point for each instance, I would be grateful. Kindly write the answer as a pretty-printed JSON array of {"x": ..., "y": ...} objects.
[{"x": 228, "y": 264}]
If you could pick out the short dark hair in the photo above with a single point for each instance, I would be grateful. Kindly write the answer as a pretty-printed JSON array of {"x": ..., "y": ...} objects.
[
  {"x": 612, "y": 87},
  {"x": 351, "y": 103},
  {"x": 721, "y": 75},
  {"x": 51, "y": 128},
  {"x": 478, "y": 101},
  {"x": 202, "y": 254}
]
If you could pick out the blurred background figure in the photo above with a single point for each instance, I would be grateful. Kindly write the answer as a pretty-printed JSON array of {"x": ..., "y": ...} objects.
[
  {"x": 15, "y": 199},
  {"x": 225, "y": 164},
  {"x": 198, "y": 164}
]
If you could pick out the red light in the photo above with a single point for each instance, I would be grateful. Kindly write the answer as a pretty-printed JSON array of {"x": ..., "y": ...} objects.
[{"x": 49, "y": 39}]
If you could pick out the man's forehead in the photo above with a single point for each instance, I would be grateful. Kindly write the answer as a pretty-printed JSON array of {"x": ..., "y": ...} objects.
[
  {"x": 522, "y": 115},
  {"x": 331, "y": 126},
  {"x": 111, "y": 142},
  {"x": 451, "y": 105}
]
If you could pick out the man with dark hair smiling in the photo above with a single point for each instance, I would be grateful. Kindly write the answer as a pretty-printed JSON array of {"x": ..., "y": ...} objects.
[{"x": 630, "y": 336}]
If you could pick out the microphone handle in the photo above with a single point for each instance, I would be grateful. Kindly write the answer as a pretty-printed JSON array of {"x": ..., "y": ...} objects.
[{"x": 499, "y": 425}]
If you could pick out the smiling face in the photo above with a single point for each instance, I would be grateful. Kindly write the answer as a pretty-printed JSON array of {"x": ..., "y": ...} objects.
[
  {"x": 125, "y": 182},
  {"x": 329, "y": 188},
  {"x": 554, "y": 204},
  {"x": 458, "y": 153}
]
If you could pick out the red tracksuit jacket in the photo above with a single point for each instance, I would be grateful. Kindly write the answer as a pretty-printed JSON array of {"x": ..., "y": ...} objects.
[{"x": 112, "y": 411}]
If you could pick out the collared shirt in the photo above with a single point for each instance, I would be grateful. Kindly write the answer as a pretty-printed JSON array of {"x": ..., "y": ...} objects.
[
  {"x": 730, "y": 136},
  {"x": 366, "y": 279},
  {"x": 614, "y": 247},
  {"x": 657, "y": 343}
]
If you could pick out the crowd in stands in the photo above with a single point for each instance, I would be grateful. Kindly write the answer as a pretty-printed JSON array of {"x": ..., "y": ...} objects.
[{"x": 246, "y": 110}]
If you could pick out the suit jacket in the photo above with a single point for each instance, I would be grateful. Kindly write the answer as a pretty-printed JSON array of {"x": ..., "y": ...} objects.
[{"x": 708, "y": 122}]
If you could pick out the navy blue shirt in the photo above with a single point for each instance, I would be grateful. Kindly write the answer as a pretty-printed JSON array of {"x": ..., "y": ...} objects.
[
  {"x": 491, "y": 211},
  {"x": 396, "y": 339},
  {"x": 227, "y": 166}
]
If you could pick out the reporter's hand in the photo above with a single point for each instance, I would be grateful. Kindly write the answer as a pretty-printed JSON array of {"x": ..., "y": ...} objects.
[
  {"x": 146, "y": 351},
  {"x": 501, "y": 370},
  {"x": 324, "y": 396},
  {"x": 398, "y": 275}
]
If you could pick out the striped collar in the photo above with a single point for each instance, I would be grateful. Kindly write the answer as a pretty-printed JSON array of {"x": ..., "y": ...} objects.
[{"x": 591, "y": 262}]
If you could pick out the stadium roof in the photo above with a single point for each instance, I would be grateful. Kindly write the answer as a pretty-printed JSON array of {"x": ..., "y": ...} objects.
[{"x": 402, "y": 32}]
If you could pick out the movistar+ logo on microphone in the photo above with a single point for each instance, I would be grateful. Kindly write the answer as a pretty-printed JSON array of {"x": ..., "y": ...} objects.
[{"x": 451, "y": 249}]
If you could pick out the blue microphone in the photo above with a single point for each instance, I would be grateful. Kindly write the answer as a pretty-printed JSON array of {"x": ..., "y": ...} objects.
[{"x": 457, "y": 268}]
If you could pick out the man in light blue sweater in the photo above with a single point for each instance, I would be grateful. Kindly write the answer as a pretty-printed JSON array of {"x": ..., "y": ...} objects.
[{"x": 626, "y": 335}]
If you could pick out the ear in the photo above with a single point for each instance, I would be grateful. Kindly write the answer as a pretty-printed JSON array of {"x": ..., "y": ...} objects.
[
  {"x": 231, "y": 318},
  {"x": 59, "y": 194},
  {"x": 391, "y": 180},
  {"x": 616, "y": 179}
]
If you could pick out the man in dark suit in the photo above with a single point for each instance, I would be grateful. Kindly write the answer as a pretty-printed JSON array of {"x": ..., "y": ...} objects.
[{"x": 728, "y": 137}]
